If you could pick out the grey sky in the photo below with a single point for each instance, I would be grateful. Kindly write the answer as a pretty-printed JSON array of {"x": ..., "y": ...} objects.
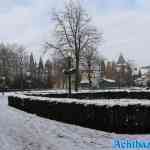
[{"x": 125, "y": 24}]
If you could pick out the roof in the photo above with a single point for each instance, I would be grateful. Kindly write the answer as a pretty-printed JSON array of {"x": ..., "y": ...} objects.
[
  {"x": 84, "y": 82},
  {"x": 121, "y": 60},
  {"x": 109, "y": 80}
]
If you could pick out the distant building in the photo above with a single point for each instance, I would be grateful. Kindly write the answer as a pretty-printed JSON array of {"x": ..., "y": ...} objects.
[
  {"x": 95, "y": 76},
  {"x": 112, "y": 74},
  {"x": 121, "y": 61},
  {"x": 144, "y": 77}
]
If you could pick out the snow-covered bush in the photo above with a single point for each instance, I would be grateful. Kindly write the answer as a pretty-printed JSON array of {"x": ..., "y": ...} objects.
[
  {"x": 122, "y": 116},
  {"x": 108, "y": 94}
]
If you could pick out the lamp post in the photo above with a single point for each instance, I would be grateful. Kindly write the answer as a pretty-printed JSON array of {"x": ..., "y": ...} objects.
[
  {"x": 127, "y": 79},
  {"x": 28, "y": 79},
  {"x": 69, "y": 70},
  {"x": 118, "y": 71},
  {"x": 69, "y": 73},
  {"x": 46, "y": 78}
]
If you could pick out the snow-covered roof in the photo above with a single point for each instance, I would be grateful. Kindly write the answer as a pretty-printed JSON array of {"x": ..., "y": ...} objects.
[
  {"x": 84, "y": 81},
  {"x": 109, "y": 80}
]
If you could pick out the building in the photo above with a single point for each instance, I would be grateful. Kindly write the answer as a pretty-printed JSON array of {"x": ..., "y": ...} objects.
[
  {"x": 123, "y": 72},
  {"x": 143, "y": 77},
  {"x": 86, "y": 76}
]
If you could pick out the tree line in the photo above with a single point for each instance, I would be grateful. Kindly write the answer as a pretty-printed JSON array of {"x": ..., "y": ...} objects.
[{"x": 19, "y": 70}]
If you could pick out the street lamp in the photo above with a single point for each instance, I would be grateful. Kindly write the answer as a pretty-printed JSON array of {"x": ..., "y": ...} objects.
[
  {"x": 28, "y": 79},
  {"x": 21, "y": 77},
  {"x": 127, "y": 79},
  {"x": 69, "y": 73},
  {"x": 118, "y": 71},
  {"x": 46, "y": 78}
]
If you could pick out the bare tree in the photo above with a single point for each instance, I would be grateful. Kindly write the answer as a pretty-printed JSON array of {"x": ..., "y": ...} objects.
[
  {"x": 90, "y": 62},
  {"x": 74, "y": 32}
]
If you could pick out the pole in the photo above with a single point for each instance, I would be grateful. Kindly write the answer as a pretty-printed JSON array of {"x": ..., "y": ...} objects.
[
  {"x": 4, "y": 75},
  {"x": 69, "y": 75},
  {"x": 21, "y": 82},
  {"x": 119, "y": 80}
]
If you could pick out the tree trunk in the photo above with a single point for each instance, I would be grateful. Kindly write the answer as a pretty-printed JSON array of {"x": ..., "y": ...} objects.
[
  {"x": 77, "y": 74},
  {"x": 21, "y": 82},
  {"x": 89, "y": 76}
]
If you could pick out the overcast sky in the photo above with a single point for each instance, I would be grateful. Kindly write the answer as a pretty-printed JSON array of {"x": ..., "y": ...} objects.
[{"x": 124, "y": 23}]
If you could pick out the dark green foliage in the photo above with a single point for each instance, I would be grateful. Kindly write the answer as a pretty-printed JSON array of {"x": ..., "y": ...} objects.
[{"x": 131, "y": 119}]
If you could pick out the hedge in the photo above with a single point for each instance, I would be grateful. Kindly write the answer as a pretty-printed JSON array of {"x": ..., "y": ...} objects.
[
  {"x": 129, "y": 119},
  {"x": 99, "y": 95}
]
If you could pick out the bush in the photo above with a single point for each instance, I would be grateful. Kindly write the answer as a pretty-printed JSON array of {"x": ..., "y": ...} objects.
[
  {"x": 100, "y": 95},
  {"x": 120, "y": 119}
]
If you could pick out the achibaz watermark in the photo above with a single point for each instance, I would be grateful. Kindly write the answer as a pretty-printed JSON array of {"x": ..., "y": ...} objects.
[{"x": 126, "y": 144}]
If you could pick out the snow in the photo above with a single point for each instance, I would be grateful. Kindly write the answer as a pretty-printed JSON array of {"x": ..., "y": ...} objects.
[
  {"x": 23, "y": 131},
  {"x": 84, "y": 81},
  {"x": 98, "y": 102},
  {"x": 109, "y": 80},
  {"x": 60, "y": 91}
]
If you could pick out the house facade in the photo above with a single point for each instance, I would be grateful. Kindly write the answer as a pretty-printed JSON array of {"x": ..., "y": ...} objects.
[{"x": 110, "y": 74}]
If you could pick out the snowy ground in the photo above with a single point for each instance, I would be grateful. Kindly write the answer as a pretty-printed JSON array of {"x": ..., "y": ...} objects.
[{"x": 23, "y": 131}]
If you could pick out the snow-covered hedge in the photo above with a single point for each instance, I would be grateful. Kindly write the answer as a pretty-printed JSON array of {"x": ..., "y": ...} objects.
[
  {"x": 122, "y": 116},
  {"x": 106, "y": 94}
]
